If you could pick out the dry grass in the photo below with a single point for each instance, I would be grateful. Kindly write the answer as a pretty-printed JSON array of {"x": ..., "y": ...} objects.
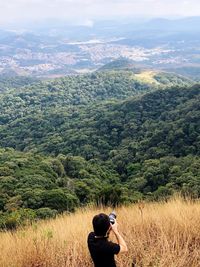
[
  {"x": 147, "y": 77},
  {"x": 158, "y": 234}
]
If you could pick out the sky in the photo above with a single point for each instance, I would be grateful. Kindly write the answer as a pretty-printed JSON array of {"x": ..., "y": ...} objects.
[{"x": 86, "y": 11}]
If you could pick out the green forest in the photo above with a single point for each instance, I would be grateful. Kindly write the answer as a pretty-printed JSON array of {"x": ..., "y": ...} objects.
[{"x": 103, "y": 138}]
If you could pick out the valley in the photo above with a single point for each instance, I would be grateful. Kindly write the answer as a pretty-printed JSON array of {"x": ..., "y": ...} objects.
[{"x": 60, "y": 50}]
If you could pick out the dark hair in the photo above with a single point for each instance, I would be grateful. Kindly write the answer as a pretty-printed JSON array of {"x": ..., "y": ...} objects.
[{"x": 101, "y": 224}]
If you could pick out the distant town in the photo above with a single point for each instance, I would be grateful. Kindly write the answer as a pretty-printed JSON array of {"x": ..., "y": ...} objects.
[{"x": 46, "y": 55}]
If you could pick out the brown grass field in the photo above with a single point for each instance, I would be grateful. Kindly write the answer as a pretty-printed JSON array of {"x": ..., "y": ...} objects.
[{"x": 157, "y": 234}]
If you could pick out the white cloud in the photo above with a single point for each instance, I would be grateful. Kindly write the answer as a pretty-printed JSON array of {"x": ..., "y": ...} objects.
[{"x": 12, "y": 10}]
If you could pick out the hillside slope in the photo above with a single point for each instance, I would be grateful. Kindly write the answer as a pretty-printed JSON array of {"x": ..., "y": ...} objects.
[
  {"x": 16, "y": 82},
  {"x": 164, "y": 122},
  {"x": 159, "y": 234},
  {"x": 63, "y": 93},
  {"x": 145, "y": 147}
]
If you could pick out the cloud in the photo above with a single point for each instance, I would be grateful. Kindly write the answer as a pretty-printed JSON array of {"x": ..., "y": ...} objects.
[{"x": 15, "y": 10}]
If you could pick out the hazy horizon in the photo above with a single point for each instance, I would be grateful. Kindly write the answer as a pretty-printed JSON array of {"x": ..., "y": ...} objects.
[{"x": 86, "y": 12}]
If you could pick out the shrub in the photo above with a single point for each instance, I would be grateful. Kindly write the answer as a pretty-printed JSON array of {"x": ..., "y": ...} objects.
[{"x": 45, "y": 213}]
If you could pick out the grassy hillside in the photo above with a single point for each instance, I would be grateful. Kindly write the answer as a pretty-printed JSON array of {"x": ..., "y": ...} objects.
[
  {"x": 148, "y": 76},
  {"x": 157, "y": 234}
]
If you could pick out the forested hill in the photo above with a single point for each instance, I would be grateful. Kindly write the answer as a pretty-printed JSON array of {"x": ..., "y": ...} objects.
[
  {"x": 146, "y": 147},
  {"x": 66, "y": 93},
  {"x": 15, "y": 82},
  {"x": 121, "y": 64},
  {"x": 59, "y": 94},
  {"x": 161, "y": 123}
]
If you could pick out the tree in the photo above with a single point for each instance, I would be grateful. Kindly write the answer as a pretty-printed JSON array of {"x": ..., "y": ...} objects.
[{"x": 57, "y": 199}]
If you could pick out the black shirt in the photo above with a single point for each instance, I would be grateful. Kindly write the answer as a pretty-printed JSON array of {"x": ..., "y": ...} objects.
[{"x": 102, "y": 251}]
